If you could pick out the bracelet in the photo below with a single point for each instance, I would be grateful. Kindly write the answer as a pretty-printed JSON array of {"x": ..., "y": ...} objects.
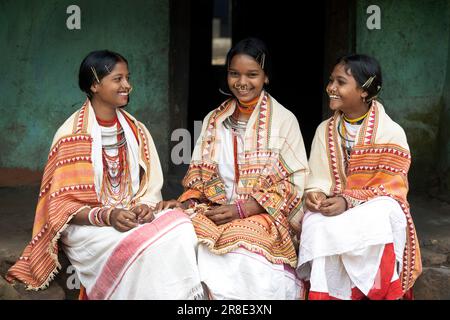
[
  {"x": 100, "y": 217},
  {"x": 192, "y": 203},
  {"x": 91, "y": 216},
  {"x": 239, "y": 206},
  {"x": 108, "y": 216}
]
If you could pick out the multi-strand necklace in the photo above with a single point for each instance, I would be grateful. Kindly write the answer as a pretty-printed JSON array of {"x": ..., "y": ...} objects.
[
  {"x": 116, "y": 185},
  {"x": 237, "y": 129}
]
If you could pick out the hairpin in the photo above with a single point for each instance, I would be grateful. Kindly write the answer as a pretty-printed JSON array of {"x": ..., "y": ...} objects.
[
  {"x": 262, "y": 57},
  {"x": 368, "y": 82},
  {"x": 95, "y": 74}
]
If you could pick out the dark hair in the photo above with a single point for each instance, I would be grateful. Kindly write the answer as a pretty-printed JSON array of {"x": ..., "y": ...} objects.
[
  {"x": 254, "y": 48},
  {"x": 102, "y": 62},
  {"x": 362, "y": 67}
]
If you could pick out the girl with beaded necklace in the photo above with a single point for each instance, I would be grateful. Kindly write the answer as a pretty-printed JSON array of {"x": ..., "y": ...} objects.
[
  {"x": 244, "y": 186},
  {"x": 358, "y": 239},
  {"x": 101, "y": 184}
]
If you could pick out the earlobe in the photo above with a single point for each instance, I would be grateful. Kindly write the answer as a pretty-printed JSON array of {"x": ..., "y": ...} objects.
[{"x": 94, "y": 88}]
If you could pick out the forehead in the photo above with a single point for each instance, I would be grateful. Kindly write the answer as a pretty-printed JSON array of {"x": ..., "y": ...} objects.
[
  {"x": 120, "y": 67},
  {"x": 244, "y": 61},
  {"x": 340, "y": 71}
]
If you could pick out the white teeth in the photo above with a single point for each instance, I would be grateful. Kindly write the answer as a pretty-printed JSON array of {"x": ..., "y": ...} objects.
[
  {"x": 123, "y": 93},
  {"x": 332, "y": 96}
]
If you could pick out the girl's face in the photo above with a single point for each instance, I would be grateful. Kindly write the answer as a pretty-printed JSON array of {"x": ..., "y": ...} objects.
[
  {"x": 344, "y": 93},
  {"x": 245, "y": 77},
  {"x": 114, "y": 88}
]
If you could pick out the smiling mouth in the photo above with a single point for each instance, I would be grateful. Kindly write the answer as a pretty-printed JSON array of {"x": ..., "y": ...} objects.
[
  {"x": 334, "y": 97},
  {"x": 125, "y": 94}
]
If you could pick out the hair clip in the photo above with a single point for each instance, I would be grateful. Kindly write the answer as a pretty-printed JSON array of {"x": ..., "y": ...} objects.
[
  {"x": 368, "y": 82},
  {"x": 262, "y": 58},
  {"x": 107, "y": 69},
  {"x": 95, "y": 74}
]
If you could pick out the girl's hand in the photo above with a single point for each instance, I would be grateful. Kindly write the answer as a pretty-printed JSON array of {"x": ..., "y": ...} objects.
[
  {"x": 169, "y": 204},
  {"x": 144, "y": 213},
  {"x": 333, "y": 206},
  {"x": 314, "y": 201},
  {"x": 223, "y": 214},
  {"x": 123, "y": 220}
]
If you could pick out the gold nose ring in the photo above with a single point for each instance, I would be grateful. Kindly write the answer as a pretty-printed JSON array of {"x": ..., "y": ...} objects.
[{"x": 240, "y": 87}]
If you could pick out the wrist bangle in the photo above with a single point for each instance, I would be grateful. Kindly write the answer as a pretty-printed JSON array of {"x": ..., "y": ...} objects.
[
  {"x": 108, "y": 216},
  {"x": 91, "y": 216},
  {"x": 240, "y": 209},
  {"x": 192, "y": 203}
]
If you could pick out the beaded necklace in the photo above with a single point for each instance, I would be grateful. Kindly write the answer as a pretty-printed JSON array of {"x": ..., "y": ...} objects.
[
  {"x": 116, "y": 186},
  {"x": 347, "y": 132}
]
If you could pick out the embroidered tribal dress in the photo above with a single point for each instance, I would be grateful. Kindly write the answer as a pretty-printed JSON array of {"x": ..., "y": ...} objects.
[
  {"x": 371, "y": 250},
  {"x": 271, "y": 168},
  {"x": 108, "y": 164}
]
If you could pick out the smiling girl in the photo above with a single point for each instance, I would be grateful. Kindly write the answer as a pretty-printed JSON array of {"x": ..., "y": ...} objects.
[
  {"x": 248, "y": 168},
  {"x": 101, "y": 183},
  {"x": 358, "y": 239}
]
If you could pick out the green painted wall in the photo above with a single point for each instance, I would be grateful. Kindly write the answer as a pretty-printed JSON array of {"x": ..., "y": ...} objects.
[
  {"x": 40, "y": 61},
  {"x": 412, "y": 47}
]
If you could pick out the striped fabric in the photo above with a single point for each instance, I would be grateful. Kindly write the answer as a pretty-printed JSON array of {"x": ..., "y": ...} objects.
[
  {"x": 67, "y": 187},
  {"x": 378, "y": 166},
  {"x": 272, "y": 171}
]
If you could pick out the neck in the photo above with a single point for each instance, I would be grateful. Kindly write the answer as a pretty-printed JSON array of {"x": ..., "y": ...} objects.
[
  {"x": 249, "y": 104},
  {"x": 244, "y": 110},
  {"x": 103, "y": 111},
  {"x": 242, "y": 116},
  {"x": 357, "y": 114}
]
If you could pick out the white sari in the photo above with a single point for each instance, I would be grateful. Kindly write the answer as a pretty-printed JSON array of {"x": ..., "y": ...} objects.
[
  {"x": 144, "y": 262},
  {"x": 242, "y": 274}
]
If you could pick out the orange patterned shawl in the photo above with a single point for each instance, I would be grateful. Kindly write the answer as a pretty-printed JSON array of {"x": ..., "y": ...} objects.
[
  {"x": 67, "y": 187},
  {"x": 273, "y": 173},
  {"x": 378, "y": 166}
]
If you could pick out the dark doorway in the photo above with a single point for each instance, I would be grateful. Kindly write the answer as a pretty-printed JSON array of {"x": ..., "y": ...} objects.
[{"x": 295, "y": 38}]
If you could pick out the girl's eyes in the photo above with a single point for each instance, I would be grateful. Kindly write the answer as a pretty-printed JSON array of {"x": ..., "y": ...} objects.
[
  {"x": 340, "y": 82},
  {"x": 120, "y": 79},
  {"x": 236, "y": 74}
]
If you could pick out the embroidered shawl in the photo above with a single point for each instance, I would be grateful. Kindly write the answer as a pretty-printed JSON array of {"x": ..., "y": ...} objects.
[
  {"x": 68, "y": 186},
  {"x": 272, "y": 171},
  {"x": 378, "y": 166}
]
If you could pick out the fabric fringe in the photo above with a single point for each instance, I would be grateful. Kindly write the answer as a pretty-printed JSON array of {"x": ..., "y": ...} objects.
[{"x": 54, "y": 256}]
